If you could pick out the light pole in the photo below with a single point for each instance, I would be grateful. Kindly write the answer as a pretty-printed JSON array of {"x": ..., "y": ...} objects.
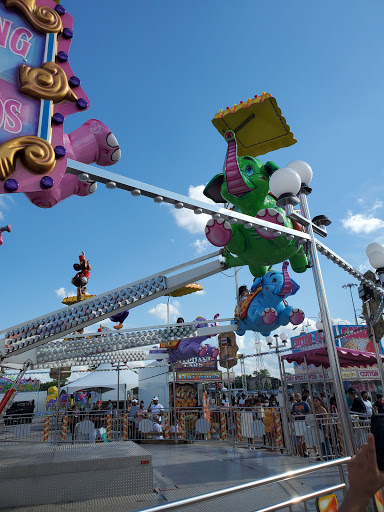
[
  {"x": 285, "y": 183},
  {"x": 375, "y": 253},
  {"x": 350, "y": 286},
  {"x": 273, "y": 344}
]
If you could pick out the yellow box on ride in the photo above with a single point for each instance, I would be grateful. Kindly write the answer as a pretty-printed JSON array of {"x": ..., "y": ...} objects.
[{"x": 258, "y": 124}]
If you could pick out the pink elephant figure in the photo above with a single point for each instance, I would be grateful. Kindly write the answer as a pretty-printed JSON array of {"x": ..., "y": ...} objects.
[{"x": 92, "y": 143}]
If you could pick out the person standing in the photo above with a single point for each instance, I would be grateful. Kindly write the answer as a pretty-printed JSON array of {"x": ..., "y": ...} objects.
[
  {"x": 367, "y": 403},
  {"x": 155, "y": 407},
  {"x": 133, "y": 418},
  {"x": 321, "y": 416},
  {"x": 357, "y": 403},
  {"x": 299, "y": 410},
  {"x": 378, "y": 406}
]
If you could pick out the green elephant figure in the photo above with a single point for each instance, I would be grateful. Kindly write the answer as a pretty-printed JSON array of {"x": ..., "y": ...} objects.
[{"x": 245, "y": 184}]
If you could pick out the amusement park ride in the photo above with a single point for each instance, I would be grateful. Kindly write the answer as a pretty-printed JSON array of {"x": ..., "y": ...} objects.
[{"x": 261, "y": 228}]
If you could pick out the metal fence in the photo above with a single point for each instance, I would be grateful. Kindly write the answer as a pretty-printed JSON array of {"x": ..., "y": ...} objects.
[
  {"x": 238, "y": 491},
  {"x": 317, "y": 437}
]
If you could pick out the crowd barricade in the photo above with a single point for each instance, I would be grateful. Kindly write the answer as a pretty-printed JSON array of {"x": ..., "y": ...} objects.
[{"x": 318, "y": 437}]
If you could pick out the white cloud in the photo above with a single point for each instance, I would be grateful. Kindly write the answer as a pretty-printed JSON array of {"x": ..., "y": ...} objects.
[
  {"x": 5, "y": 201},
  {"x": 363, "y": 267},
  {"x": 160, "y": 311},
  {"x": 376, "y": 205},
  {"x": 62, "y": 292},
  {"x": 200, "y": 245},
  {"x": 361, "y": 223},
  {"x": 187, "y": 219}
]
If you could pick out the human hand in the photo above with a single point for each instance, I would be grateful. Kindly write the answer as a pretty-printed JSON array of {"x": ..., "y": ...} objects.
[{"x": 365, "y": 478}]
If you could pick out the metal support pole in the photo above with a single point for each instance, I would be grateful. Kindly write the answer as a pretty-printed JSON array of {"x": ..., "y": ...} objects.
[
  {"x": 312, "y": 410},
  {"x": 57, "y": 403},
  {"x": 174, "y": 400},
  {"x": 284, "y": 411},
  {"x": 353, "y": 304},
  {"x": 168, "y": 301},
  {"x": 118, "y": 390},
  {"x": 377, "y": 350},
  {"x": 231, "y": 415},
  {"x": 346, "y": 424}
]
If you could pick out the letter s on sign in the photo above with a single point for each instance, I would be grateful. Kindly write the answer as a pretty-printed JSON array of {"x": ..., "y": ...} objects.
[
  {"x": 18, "y": 45},
  {"x": 12, "y": 122}
]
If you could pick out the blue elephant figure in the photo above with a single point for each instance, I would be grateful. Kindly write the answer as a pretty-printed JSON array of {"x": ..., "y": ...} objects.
[{"x": 265, "y": 308}]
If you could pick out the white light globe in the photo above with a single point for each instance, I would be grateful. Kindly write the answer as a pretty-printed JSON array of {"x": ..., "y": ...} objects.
[
  {"x": 376, "y": 259},
  {"x": 373, "y": 248},
  {"x": 303, "y": 169},
  {"x": 284, "y": 181},
  {"x": 284, "y": 336},
  {"x": 319, "y": 326},
  {"x": 269, "y": 340}
]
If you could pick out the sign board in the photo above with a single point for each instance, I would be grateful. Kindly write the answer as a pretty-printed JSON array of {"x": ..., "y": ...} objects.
[
  {"x": 38, "y": 90},
  {"x": 198, "y": 376},
  {"x": 197, "y": 363},
  {"x": 354, "y": 375}
]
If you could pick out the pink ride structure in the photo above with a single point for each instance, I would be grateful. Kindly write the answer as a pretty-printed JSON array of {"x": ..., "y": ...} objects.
[
  {"x": 92, "y": 143},
  {"x": 38, "y": 91}
]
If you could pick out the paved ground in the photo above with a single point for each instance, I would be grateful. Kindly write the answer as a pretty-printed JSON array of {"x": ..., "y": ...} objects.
[{"x": 188, "y": 470}]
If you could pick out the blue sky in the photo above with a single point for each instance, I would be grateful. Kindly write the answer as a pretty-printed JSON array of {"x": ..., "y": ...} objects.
[{"x": 156, "y": 73}]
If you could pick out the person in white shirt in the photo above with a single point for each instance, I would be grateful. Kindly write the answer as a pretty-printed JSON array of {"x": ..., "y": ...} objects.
[
  {"x": 155, "y": 407},
  {"x": 367, "y": 403},
  {"x": 157, "y": 428}
]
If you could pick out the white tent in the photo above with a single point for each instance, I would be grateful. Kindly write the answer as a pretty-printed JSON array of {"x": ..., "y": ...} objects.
[{"x": 105, "y": 380}]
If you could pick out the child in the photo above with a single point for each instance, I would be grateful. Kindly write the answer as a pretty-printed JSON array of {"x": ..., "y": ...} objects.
[{"x": 243, "y": 293}]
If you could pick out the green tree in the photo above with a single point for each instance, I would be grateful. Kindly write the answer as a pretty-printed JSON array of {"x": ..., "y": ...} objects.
[
  {"x": 45, "y": 385},
  {"x": 263, "y": 373}
]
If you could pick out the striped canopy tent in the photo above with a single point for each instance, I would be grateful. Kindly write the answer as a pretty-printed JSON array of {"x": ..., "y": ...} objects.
[{"x": 347, "y": 357}]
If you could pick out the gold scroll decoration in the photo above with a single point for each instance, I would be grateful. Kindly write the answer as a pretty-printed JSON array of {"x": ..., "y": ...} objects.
[
  {"x": 37, "y": 155},
  {"x": 43, "y": 19},
  {"x": 46, "y": 83}
]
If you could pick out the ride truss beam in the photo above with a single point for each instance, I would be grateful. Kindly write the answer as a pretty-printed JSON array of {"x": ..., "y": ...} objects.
[
  {"x": 111, "y": 180},
  {"x": 159, "y": 195},
  {"x": 39, "y": 331}
]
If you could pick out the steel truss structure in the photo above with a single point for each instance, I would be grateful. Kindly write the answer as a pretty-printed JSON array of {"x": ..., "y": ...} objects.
[{"x": 34, "y": 341}]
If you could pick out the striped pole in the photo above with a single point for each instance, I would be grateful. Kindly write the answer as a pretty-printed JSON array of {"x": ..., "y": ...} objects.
[
  {"x": 279, "y": 433},
  {"x": 238, "y": 427},
  {"x": 64, "y": 427},
  {"x": 223, "y": 427},
  {"x": 379, "y": 502},
  {"x": 166, "y": 425},
  {"x": 125, "y": 426},
  {"x": 182, "y": 425},
  {"x": 46, "y": 429},
  {"x": 109, "y": 427},
  {"x": 340, "y": 440}
]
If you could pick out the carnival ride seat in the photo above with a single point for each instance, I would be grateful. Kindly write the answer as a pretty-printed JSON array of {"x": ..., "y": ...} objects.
[
  {"x": 258, "y": 428},
  {"x": 202, "y": 426},
  {"x": 146, "y": 428},
  {"x": 83, "y": 430},
  {"x": 300, "y": 427}
]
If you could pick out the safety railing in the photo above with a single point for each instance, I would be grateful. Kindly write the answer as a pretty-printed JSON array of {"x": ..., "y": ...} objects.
[
  {"x": 317, "y": 437},
  {"x": 320, "y": 436},
  {"x": 258, "y": 427},
  {"x": 290, "y": 475}
]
